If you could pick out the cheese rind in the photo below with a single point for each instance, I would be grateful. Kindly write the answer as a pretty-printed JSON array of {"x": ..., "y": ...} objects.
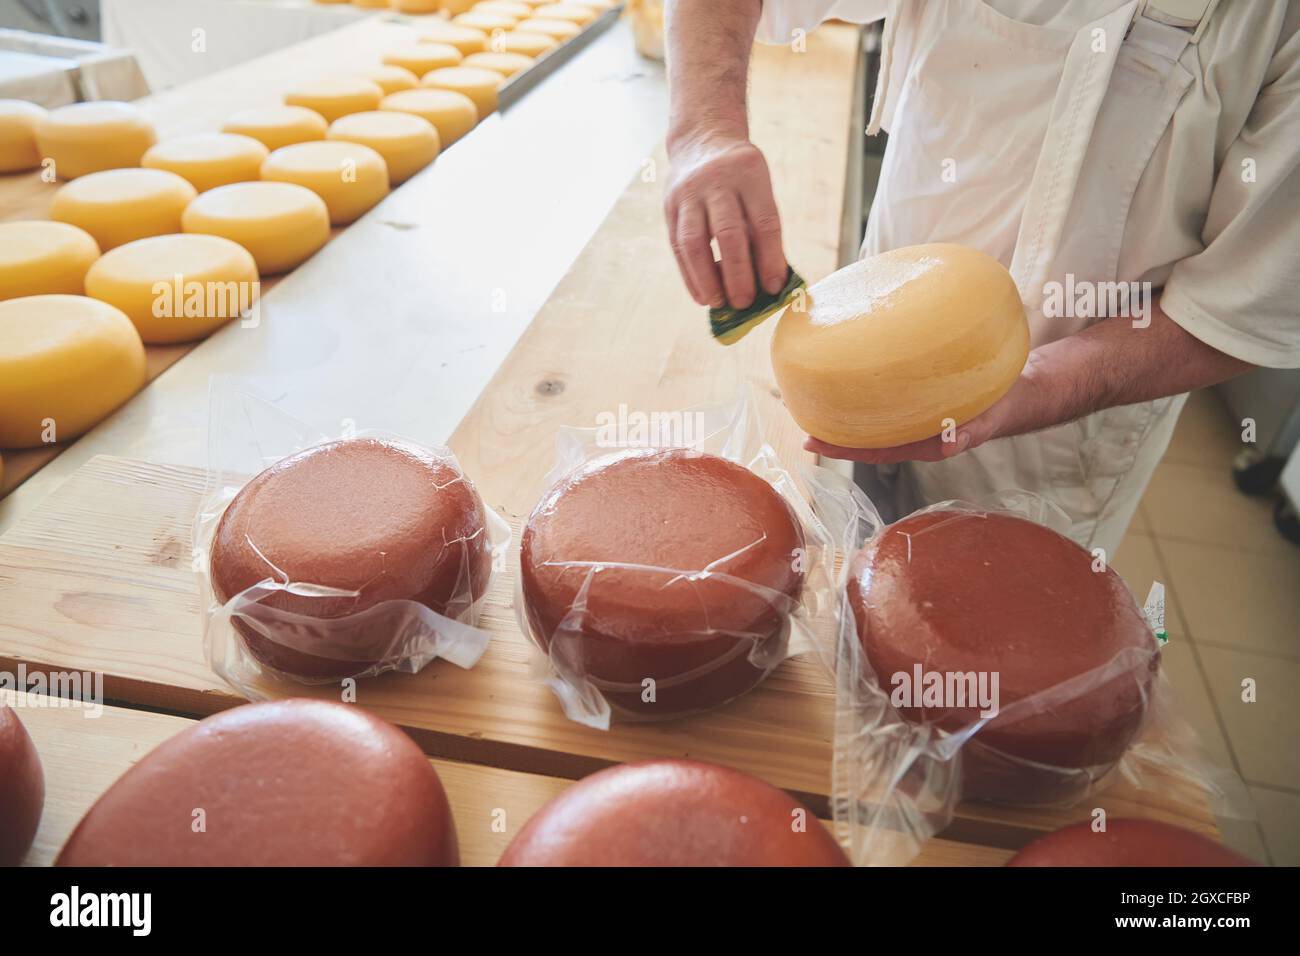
[
  {"x": 420, "y": 58},
  {"x": 118, "y": 206},
  {"x": 209, "y": 160},
  {"x": 66, "y": 361},
  {"x": 18, "y": 150},
  {"x": 280, "y": 224},
  {"x": 350, "y": 177},
  {"x": 84, "y": 138},
  {"x": 276, "y": 126},
  {"x": 337, "y": 96},
  {"x": 478, "y": 84},
  {"x": 466, "y": 39},
  {"x": 407, "y": 142},
  {"x": 507, "y": 64},
  {"x": 44, "y": 258},
  {"x": 452, "y": 114},
  {"x": 176, "y": 288}
]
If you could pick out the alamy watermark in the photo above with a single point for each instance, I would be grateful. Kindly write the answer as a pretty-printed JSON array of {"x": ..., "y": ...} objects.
[
  {"x": 1085, "y": 299},
  {"x": 35, "y": 689}
]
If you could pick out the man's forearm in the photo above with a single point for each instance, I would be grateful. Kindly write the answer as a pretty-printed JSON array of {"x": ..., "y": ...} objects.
[{"x": 708, "y": 44}]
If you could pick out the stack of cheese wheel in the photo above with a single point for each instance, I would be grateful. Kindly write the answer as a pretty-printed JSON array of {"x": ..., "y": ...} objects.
[
  {"x": 87, "y": 137},
  {"x": 336, "y": 96},
  {"x": 452, "y": 114},
  {"x": 667, "y": 570},
  {"x": 901, "y": 346},
  {"x": 18, "y": 149},
  {"x": 466, "y": 39},
  {"x": 118, "y": 206},
  {"x": 673, "y": 813},
  {"x": 420, "y": 58},
  {"x": 407, "y": 142},
  {"x": 276, "y": 126},
  {"x": 176, "y": 288},
  {"x": 66, "y": 361},
  {"x": 44, "y": 258},
  {"x": 22, "y": 788},
  {"x": 289, "y": 783},
  {"x": 952, "y": 592},
  {"x": 478, "y": 84},
  {"x": 280, "y": 224},
  {"x": 1127, "y": 843},
  {"x": 209, "y": 160},
  {"x": 349, "y": 177},
  {"x": 391, "y": 78}
]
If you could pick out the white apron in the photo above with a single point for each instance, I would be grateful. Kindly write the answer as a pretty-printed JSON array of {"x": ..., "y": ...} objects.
[{"x": 1044, "y": 134}]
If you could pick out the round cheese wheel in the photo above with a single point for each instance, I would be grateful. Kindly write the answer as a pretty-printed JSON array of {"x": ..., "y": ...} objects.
[
  {"x": 507, "y": 64},
  {"x": 420, "y": 58},
  {"x": 407, "y": 142},
  {"x": 389, "y": 521},
  {"x": 351, "y": 178},
  {"x": 673, "y": 813},
  {"x": 1127, "y": 842},
  {"x": 66, "y": 361},
  {"x": 209, "y": 160},
  {"x": 22, "y": 788},
  {"x": 504, "y": 8},
  {"x": 337, "y": 96},
  {"x": 44, "y": 258},
  {"x": 118, "y": 206},
  {"x": 84, "y": 138},
  {"x": 371, "y": 4},
  {"x": 452, "y": 114},
  {"x": 466, "y": 39},
  {"x": 891, "y": 349},
  {"x": 560, "y": 30},
  {"x": 276, "y": 126},
  {"x": 487, "y": 22},
  {"x": 478, "y": 84},
  {"x": 573, "y": 12},
  {"x": 280, "y": 224},
  {"x": 18, "y": 150},
  {"x": 422, "y": 6},
  {"x": 285, "y": 783},
  {"x": 176, "y": 288},
  {"x": 955, "y": 592},
  {"x": 390, "y": 78},
  {"x": 600, "y": 5},
  {"x": 625, "y": 539},
  {"x": 528, "y": 44}
]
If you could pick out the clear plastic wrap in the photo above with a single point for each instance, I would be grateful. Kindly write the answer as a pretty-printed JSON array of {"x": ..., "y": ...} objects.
[
  {"x": 308, "y": 623},
  {"x": 900, "y": 770},
  {"x": 664, "y": 639}
]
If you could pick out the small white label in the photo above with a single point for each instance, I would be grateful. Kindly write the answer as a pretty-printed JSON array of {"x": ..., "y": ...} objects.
[{"x": 1155, "y": 611}]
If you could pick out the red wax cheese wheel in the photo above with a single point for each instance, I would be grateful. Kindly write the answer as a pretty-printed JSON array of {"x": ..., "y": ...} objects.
[
  {"x": 972, "y": 592},
  {"x": 22, "y": 789},
  {"x": 673, "y": 813},
  {"x": 286, "y": 783},
  {"x": 667, "y": 565},
  {"x": 384, "y": 520},
  {"x": 1126, "y": 843}
]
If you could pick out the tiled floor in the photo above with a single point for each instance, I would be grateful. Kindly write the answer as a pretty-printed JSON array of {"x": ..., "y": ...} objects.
[{"x": 1233, "y": 613}]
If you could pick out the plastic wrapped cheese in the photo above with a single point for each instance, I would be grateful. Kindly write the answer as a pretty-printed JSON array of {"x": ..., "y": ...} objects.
[
  {"x": 507, "y": 64},
  {"x": 22, "y": 787},
  {"x": 351, "y": 178},
  {"x": 44, "y": 258},
  {"x": 333, "y": 97},
  {"x": 118, "y": 206},
  {"x": 420, "y": 58},
  {"x": 478, "y": 84},
  {"x": 176, "y": 288},
  {"x": 209, "y": 160},
  {"x": 452, "y": 114},
  {"x": 280, "y": 224},
  {"x": 276, "y": 126},
  {"x": 466, "y": 39},
  {"x": 391, "y": 78},
  {"x": 18, "y": 150},
  {"x": 86, "y": 137},
  {"x": 407, "y": 142},
  {"x": 66, "y": 361}
]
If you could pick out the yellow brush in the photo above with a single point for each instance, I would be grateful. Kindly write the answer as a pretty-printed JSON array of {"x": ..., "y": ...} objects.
[{"x": 730, "y": 325}]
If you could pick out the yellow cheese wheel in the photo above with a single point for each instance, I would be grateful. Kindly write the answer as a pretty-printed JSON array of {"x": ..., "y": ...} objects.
[
  {"x": 504, "y": 8},
  {"x": 276, "y": 126},
  {"x": 407, "y": 142},
  {"x": 529, "y": 44},
  {"x": 176, "y": 288},
  {"x": 889, "y": 349},
  {"x": 371, "y": 4},
  {"x": 452, "y": 114},
  {"x": 86, "y": 137},
  {"x": 560, "y": 30},
  {"x": 18, "y": 135},
  {"x": 209, "y": 160},
  {"x": 417, "y": 6},
  {"x": 350, "y": 177},
  {"x": 66, "y": 361},
  {"x": 566, "y": 11},
  {"x": 280, "y": 224},
  {"x": 466, "y": 39},
  {"x": 598, "y": 5},
  {"x": 487, "y": 22},
  {"x": 391, "y": 79},
  {"x": 420, "y": 58},
  {"x": 478, "y": 84},
  {"x": 507, "y": 64},
  {"x": 118, "y": 206},
  {"x": 44, "y": 258},
  {"x": 336, "y": 96}
]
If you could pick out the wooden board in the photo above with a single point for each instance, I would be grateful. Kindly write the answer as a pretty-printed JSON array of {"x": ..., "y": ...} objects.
[{"x": 82, "y": 756}]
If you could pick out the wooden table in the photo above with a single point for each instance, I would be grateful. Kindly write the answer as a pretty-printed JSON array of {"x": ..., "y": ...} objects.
[{"x": 97, "y": 573}]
